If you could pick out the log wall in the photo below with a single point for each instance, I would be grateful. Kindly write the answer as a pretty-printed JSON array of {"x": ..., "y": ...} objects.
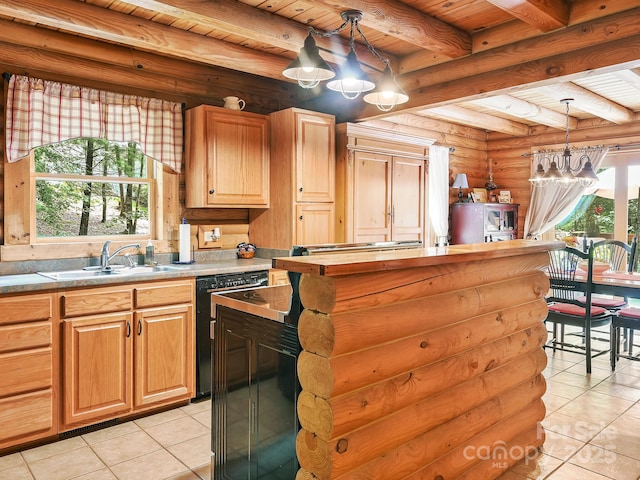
[{"x": 422, "y": 373}]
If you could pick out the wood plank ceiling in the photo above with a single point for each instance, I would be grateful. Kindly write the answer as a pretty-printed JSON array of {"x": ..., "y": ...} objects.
[{"x": 498, "y": 65}]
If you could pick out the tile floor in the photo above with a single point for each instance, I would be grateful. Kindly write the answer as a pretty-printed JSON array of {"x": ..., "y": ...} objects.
[{"x": 592, "y": 432}]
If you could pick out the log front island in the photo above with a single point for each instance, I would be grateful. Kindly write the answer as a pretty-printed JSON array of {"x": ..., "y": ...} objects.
[{"x": 422, "y": 363}]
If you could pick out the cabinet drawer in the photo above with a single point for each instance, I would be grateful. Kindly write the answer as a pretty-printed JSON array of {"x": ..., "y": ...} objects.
[
  {"x": 23, "y": 416},
  {"x": 26, "y": 309},
  {"x": 101, "y": 300},
  {"x": 25, "y": 371},
  {"x": 27, "y": 335},
  {"x": 164, "y": 294}
]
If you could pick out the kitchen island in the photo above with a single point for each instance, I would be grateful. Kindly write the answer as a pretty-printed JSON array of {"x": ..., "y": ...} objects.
[{"x": 421, "y": 363}]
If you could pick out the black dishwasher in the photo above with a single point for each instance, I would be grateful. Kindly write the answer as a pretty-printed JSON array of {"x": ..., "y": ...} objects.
[{"x": 205, "y": 286}]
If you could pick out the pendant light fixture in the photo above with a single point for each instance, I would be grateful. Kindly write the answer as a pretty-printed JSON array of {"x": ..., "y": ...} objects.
[
  {"x": 309, "y": 69},
  {"x": 563, "y": 175}
]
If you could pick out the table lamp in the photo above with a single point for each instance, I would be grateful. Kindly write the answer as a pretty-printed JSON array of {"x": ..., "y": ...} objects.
[{"x": 460, "y": 182}]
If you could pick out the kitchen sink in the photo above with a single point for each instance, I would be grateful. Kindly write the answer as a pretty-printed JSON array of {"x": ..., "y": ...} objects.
[{"x": 116, "y": 271}]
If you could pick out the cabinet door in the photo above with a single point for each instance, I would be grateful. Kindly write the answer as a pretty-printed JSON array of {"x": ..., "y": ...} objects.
[
  {"x": 372, "y": 197},
  {"x": 164, "y": 354},
  {"x": 315, "y": 158},
  {"x": 97, "y": 368},
  {"x": 314, "y": 223},
  {"x": 408, "y": 199},
  {"x": 467, "y": 223}
]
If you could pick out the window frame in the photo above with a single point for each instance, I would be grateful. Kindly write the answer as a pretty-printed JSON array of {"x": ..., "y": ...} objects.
[{"x": 151, "y": 180}]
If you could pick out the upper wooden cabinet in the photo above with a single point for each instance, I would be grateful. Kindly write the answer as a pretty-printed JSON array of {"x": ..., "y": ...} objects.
[
  {"x": 380, "y": 185},
  {"x": 302, "y": 182},
  {"x": 227, "y": 158}
]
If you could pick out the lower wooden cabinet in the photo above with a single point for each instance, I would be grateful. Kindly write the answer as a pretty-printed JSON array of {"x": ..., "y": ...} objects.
[
  {"x": 28, "y": 374},
  {"x": 97, "y": 367},
  {"x": 119, "y": 363},
  {"x": 164, "y": 355}
]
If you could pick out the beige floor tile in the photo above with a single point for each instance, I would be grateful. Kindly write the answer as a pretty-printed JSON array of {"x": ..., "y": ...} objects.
[
  {"x": 616, "y": 390},
  {"x": 10, "y": 461},
  {"x": 204, "y": 472},
  {"x": 537, "y": 468},
  {"x": 158, "y": 465},
  {"x": 197, "y": 407},
  {"x": 563, "y": 389},
  {"x": 578, "y": 429},
  {"x": 569, "y": 471},
  {"x": 626, "y": 379},
  {"x": 177, "y": 431},
  {"x": 597, "y": 407},
  {"x": 622, "y": 437},
  {"x": 19, "y": 472},
  {"x": 51, "y": 449},
  {"x": 185, "y": 476},
  {"x": 204, "y": 418},
  {"x": 103, "y": 474},
  {"x": 634, "y": 411},
  {"x": 607, "y": 462},
  {"x": 193, "y": 453},
  {"x": 110, "y": 432},
  {"x": 597, "y": 373},
  {"x": 125, "y": 447},
  {"x": 580, "y": 380},
  {"x": 66, "y": 465},
  {"x": 554, "y": 402},
  {"x": 561, "y": 446},
  {"x": 160, "y": 418}
]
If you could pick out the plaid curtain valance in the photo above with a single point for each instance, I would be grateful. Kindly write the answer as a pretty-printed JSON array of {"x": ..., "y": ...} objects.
[{"x": 41, "y": 112}]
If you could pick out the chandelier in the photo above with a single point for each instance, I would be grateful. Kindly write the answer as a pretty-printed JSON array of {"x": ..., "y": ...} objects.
[
  {"x": 309, "y": 69},
  {"x": 563, "y": 175}
]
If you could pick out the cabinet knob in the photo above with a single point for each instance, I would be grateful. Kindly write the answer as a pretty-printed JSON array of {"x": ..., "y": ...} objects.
[
  {"x": 300, "y": 217},
  {"x": 212, "y": 191},
  {"x": 300, "y": 189},
  {"x": 139, "y": 327}
]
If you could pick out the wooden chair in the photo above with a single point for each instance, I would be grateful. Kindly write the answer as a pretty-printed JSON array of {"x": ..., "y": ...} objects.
[
  {"x": 621, "y": 258},
  {"x": 628, "y": 319},
  {"x": 565, "y": 309}
]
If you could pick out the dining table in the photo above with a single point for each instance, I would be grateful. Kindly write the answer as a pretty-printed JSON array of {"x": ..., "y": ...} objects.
[{"x": 620, "y": 284}]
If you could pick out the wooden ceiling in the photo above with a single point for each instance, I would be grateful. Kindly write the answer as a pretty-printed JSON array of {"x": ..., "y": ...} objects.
[{"x": 498, "y": 65}]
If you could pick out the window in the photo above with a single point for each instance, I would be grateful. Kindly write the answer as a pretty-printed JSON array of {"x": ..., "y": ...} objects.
[{"x": 91, "y": 187}]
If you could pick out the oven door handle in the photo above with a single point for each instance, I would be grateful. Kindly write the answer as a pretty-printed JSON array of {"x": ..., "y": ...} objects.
[{"x": 238, "y": 287}]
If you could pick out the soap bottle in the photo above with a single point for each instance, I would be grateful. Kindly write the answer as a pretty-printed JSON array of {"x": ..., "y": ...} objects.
[{"x": 149, "y": 254}]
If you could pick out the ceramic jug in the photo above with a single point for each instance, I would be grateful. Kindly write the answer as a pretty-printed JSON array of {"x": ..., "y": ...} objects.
[{"x": 234, "y": 103}]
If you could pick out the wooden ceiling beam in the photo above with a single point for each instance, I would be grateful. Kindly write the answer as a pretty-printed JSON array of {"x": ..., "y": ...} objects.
[
  {"x": 100, "y": 23},
  {"x": 468, "y": 117},
  {"x": 545, "y": 15},
  {"x": 236, "y": 18},
  {"x": 600, "y": 58},
  {"x": 523, "y": 109},
  {"x": 409, "y": 25},
  {"x": 219, "y": 81},
  {"x": 582, "y": 37},
  {"x": 590, "y": 102}
]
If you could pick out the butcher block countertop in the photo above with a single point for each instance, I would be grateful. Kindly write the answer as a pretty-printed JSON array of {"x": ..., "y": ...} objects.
[
  {"x": 351, "y": 263},
  {"x": 421, "y": 363}
]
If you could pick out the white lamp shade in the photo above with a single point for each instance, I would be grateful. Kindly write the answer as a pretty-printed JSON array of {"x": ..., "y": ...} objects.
[{"x": 460, "y": 181}]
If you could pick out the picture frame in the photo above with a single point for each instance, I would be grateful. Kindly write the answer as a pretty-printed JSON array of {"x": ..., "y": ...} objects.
[
  {"x": 480, "y": 194},
  {"x": 474, "y": 197},
  {"x": 504, "y": 197}
]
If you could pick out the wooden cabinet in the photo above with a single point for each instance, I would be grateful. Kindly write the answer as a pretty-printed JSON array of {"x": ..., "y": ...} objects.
[
  {"x": 302, "y": 182},
  {"x": 28, "y": 378},
  {"x": 278, "y": 277},
  {"x": 483, "y": 222},
  {"x": 227, "y": 158},
  {"x": 380, "y": 185},
  {"x": 120, "y": 362}
]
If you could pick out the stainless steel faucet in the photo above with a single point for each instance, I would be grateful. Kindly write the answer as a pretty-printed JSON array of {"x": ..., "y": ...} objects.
[{"x": 106, "y": 257}]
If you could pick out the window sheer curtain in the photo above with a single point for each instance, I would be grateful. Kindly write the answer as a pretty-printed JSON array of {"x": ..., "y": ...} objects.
[
  {"x": 41, "y": 112},
  {"x": 439, "y": 192},
  {"x": 551, "y": 204}
]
